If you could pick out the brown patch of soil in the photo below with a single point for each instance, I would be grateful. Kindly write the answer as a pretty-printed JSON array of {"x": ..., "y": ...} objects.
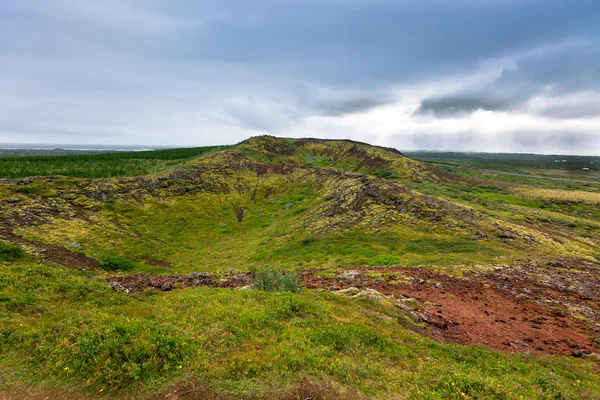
[
  {"x": 62, "y": 256},
  {"x": 136, "y": 284},
  {"x": 156, "y": 263},
  {"x": 323, "y": 391},
  {"x": 188, "y": 391},
  {"x": 56, "y": 254}
]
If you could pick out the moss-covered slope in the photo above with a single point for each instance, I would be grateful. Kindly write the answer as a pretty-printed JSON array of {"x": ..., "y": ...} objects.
[{"x": 242, "y": 213}]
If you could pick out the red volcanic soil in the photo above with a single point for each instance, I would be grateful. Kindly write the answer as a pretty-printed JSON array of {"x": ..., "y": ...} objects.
[{"x": 472, "y": 312}]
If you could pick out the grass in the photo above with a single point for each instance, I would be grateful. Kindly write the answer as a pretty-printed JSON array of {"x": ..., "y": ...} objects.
[
  {"x": 104, "y": 165},
  {"x": 9, "y": 252},
  {"x": 73, "y": 331},
  {"x": 282, "y": 222},
  {"x": 384, "y": 259},
  {"x": 117, "y": 263},
  {"x": 276, "y": 280},
  {"x": 562, "y": 196},
  {"x": 511, "y": 162}
]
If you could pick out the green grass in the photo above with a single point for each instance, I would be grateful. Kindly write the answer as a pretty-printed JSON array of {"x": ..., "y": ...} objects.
[
  {"x": 9, "y": 252},
  {"x": 73, "y": 331},
  {"x": 276, "y": 280},
  {"x": 117, "y": 263},
  {"x": 104, "y": 165},
  {"x": 384, "y": 259},
  {"x": 510, "y": 162},
  {"x": 283, "y": 223}
]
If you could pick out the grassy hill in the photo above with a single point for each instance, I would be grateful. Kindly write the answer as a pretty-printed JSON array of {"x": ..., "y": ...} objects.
[
  {"x": 346, "y": 155},
  {"x": 230, "y": 212},
  {"x": 271, "y": 204}
]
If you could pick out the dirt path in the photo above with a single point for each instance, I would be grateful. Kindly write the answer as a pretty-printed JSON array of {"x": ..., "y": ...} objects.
[{"x": 55, "y": 254}]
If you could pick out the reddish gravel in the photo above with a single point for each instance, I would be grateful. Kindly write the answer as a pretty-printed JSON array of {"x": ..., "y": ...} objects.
[{"x": 471, "y": 312}]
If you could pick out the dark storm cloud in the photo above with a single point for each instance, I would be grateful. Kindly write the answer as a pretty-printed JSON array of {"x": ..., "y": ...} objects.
[
  {"x": 460, "y": 104},
  {"x": 552, "y": 73},
  {"x": 353, "y": 105},
  {"x": 370, "y": 42}
]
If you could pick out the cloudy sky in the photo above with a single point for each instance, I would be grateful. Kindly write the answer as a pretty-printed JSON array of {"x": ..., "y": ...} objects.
[{"x": 486, "y": 75}]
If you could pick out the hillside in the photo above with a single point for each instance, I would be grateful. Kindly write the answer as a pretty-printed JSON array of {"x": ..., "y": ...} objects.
[
  {"x": 345, "y": 155},
  {"x": 235, "y": 212},
  {"x": 129, "y": 285}
]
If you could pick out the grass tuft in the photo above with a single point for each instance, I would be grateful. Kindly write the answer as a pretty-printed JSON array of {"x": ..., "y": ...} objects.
[
  {"x": 384, "y": 259},
  {"x": 118, "y": 263},
  {"x": 9, "y": 252},
  {"x": 275, "y": 280}
]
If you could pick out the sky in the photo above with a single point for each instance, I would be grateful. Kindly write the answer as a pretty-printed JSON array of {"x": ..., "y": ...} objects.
[{"x": 466, "y": 75}]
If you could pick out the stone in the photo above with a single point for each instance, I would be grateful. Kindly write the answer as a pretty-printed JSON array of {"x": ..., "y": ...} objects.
[
  {"x": 580, "y": 354},
  {"x": 371, "y": 294},
  {"x": 117, "y": 287},
  {"x": 351, "y": 291}
]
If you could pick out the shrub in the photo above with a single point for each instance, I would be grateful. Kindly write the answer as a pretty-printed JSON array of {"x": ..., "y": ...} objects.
[
  {"x": 308, "y": 240},
  {"x": 8, "y": 252},
  {"x": 300, "y": 210},
  {"x": 117, "y": 263},
  {"x": 274, "y": 280},
  {"x": 384, "y": 259}
]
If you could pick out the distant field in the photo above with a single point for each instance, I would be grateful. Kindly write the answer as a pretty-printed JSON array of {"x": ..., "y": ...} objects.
[
  {"x": 82, "y": 164},
  {"x": 510, "y": 162},
  {"x": 538, "y": 170}
]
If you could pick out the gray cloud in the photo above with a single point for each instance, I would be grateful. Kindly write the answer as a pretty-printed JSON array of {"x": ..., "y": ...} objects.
[
  {"x": 355, "y": 105},
  {"x": 552, "y": 73},
  {"x": 460, "y": 104},
  {"x": 191, "y": 73}
]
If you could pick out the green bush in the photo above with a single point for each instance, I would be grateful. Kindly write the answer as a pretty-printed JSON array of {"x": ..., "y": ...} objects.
[
  {"x": 274, "y": 280},
  {"x": 8, "y": 252},
  {"x": 384, "y": 259},
  {"x": 117, "y": 263}
]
